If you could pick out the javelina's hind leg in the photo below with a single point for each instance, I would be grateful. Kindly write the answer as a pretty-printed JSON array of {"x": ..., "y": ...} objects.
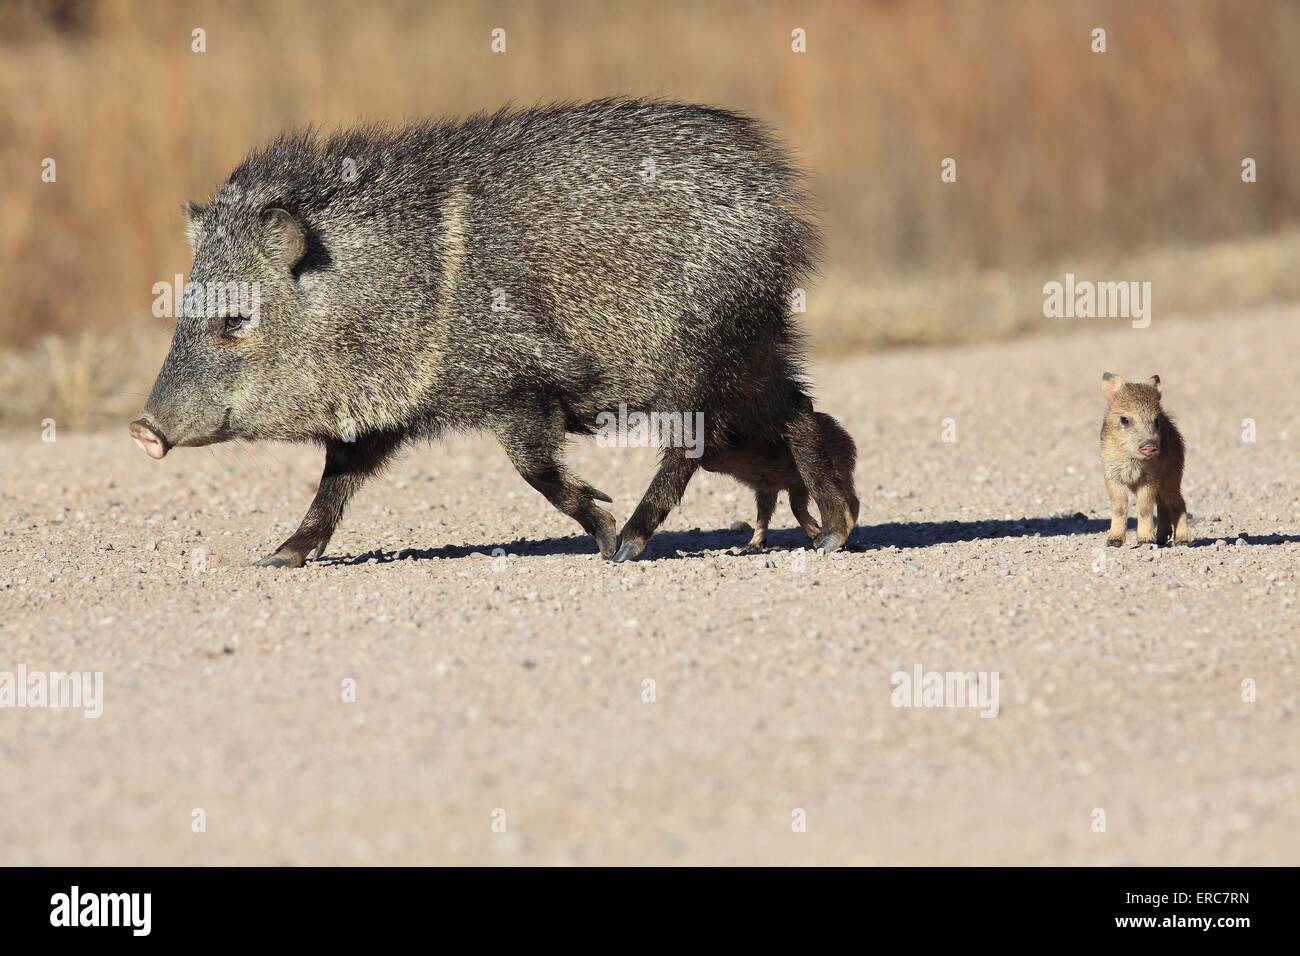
[
  {"x": 765, "y": 498},
  {"x": 666, "y": 489},
  {"x": 347, "y": 466},
  {"x": 536, "y": 449},
  {"x": 819, "y": 476},
  {"x": 843, "y": 454}
]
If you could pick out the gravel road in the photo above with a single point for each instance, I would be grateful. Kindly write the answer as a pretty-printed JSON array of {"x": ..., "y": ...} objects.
[{"x": 414, "y": 699}]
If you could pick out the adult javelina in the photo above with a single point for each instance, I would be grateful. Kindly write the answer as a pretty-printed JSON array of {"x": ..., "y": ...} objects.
[{"x": 520, "y": 272}]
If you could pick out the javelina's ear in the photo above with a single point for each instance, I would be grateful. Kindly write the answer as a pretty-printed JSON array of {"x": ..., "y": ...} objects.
[
  {"x": 194, "y": 213},
  {"x": 282, "y": 237},
  {"x": 1154, "y": 382},
  {"x": 1110, "y": 385}
]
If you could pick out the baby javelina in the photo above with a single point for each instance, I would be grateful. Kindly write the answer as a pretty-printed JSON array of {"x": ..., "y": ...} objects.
[
  {"x": 1142, "y": 452},
  {"x": 768, "y": 467}
]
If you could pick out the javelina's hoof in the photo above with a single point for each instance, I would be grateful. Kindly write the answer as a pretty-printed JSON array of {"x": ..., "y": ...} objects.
[
  {"x": 1114, "y": 542},
  {"x": 607, "y": 541},
  {"x": 600, "y": 524},
  {"x": 830, "y": 541},
  {"x": 629, "y": 550},
  {"x": 279, "y": 560}
]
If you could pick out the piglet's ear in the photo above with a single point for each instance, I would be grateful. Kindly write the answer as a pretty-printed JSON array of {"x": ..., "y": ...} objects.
[
  {"x": 1154, "y": 382},
  {"x": 1110, "y": 385},
  {"x": 194, "y": 229},
  {"x": 282, "y": 237}
]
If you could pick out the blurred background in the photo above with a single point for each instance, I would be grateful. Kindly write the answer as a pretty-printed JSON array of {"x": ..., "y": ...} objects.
[{"x": 1117, "y": 166}]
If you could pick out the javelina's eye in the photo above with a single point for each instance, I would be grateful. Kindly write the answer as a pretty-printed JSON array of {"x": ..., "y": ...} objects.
[
  {"x": 233, "y": 323},
  {"x": 1123, "y": 420}
]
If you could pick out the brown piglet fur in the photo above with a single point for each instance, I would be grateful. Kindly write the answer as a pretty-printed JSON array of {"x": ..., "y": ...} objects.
[{"x": 1142, "y": 452}]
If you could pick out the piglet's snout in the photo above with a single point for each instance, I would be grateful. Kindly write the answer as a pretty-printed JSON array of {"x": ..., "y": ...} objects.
[{"x": 150, "y": 440}]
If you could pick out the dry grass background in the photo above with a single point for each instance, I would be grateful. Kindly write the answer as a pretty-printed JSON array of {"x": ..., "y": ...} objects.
[{"x": 1122, "y": 165}]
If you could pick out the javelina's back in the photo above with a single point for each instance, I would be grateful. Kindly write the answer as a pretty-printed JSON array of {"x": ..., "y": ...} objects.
[{"x": 649, "y": 241}]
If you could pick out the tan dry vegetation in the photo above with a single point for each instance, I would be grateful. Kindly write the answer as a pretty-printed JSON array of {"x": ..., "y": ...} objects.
[{"x": 1067, "y": 159}]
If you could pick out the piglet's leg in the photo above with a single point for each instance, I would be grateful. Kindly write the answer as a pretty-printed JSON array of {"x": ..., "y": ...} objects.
[
  {"x": 1146, "y": 506},
  {"x": 799, "y": 505},
  {"x": 1118, "y": 513},
  {"x": 1178, "y": 517},
  {"x": 765, "y": 500}
]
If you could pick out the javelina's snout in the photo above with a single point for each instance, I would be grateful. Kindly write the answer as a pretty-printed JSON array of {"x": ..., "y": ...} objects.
[
  {"x": 151, "y": 441},
  {"x": 185, "y": 408}
]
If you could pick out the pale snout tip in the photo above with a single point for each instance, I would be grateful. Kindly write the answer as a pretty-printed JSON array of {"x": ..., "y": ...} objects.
[{"x": 149, "y": 440}]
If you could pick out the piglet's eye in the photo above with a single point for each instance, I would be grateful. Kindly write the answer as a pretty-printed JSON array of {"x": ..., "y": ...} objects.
[{"x": 1123, "y": 420}]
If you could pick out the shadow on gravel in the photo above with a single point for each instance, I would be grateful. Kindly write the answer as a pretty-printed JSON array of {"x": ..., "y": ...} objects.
[
  {"x": 1257, "y": 539},
  {"x": 696, "y": 542},
  {"x": 922, "y": 534},
  {"x": 685, "y": 544},
  {"x": 665, "y": 544}
]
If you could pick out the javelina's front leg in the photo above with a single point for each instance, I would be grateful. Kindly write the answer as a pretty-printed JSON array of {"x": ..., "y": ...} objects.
[{"x": 347, "y": 466}]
